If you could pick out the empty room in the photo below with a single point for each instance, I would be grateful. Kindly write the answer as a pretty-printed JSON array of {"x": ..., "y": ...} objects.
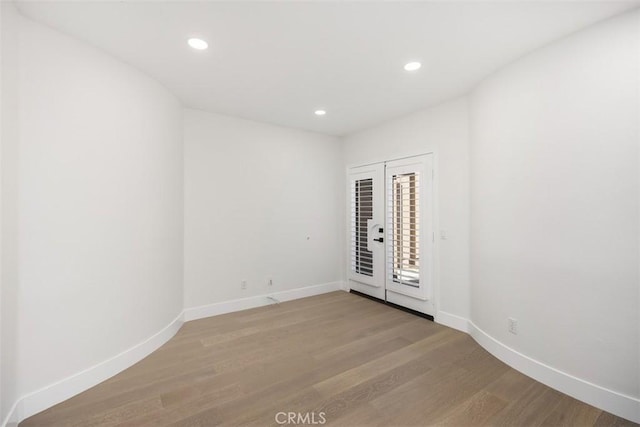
[{"x": 303, "y": 213}]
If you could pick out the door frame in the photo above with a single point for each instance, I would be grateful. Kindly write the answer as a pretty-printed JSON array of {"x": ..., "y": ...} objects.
[{"x": 435, "y": 212}]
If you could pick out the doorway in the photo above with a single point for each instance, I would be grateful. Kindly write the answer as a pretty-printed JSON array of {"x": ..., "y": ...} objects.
[{"x": 391, "y": 233}]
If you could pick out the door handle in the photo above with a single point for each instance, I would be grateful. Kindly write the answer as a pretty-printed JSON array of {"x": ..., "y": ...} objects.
[{"x": 379, "y": 240}]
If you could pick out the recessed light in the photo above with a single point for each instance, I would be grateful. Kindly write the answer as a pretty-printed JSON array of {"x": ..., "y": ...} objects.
[
  {"x": 198, "y": 44},
  {"x": 412, "y": 66},
  {"x": 320, "y": 112}
]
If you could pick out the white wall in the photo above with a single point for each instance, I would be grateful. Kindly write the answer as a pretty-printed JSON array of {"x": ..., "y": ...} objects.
[
  {"x": 554, "y": 204},
  {"x": 445, "y": 129},
  {"x": 9, "y": 22},
  {"x": 97, "y": 154},
  {"x": 261, "y": 202},
  {"x": 100, "y": 207}
]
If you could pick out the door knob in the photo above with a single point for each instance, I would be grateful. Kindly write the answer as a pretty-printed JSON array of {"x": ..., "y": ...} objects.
[{"x": 379, "y": 240}]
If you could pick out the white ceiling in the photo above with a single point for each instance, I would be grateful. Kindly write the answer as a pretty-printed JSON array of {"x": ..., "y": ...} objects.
[{"x": 277, "y": 62}]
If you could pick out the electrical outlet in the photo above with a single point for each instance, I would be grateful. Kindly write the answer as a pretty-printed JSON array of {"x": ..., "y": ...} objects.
[
  {"x": 243, "y": 284},
  {"x": 513, "y": 325}
]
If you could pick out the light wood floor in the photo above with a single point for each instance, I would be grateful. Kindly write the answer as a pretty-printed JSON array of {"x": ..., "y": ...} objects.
[{"x": 359, "y": 362}]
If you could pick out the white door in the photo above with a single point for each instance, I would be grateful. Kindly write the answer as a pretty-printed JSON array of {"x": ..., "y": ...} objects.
[
  {"x": 366, "y": 226},
  {"x": 391, "y": 232},
  {"x": 410, "y": 234}
]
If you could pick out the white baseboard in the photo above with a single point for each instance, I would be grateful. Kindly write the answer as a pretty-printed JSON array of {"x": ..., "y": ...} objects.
[
  {"x": 258, "y": 301},
  {"x": 12, "y": 419},
  {"x": 452, "y": 320},
  {"x": 611, "y": 401},
  {"x": 62, "y": 390},
  {"x": 57, "y": 392},
  {"x": 616, "y": 403}
]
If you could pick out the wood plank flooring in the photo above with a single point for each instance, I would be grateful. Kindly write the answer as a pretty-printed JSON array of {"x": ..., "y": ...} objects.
[{"x": 358, "y": 362}]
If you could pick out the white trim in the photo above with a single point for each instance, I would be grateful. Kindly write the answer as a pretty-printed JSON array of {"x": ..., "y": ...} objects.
[
  {"x": 259, "y": 301},
  {"x": 452, "y": 321},
  {"x": 611, "y": 401},
  {"x": 64, "y": 389},
  {"x": 12, "y": 417},
  {"x": 39, "y": 400}
]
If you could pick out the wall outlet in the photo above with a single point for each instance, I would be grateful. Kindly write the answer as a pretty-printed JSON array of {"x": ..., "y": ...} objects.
[
  {"x": 243, "y": 284},
  {"x": 513, "y": 325}
]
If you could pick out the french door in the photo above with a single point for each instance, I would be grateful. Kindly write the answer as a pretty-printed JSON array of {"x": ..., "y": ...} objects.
[
  {"x": 367, "y": 255},
  {"x": 391, "y": 232}
]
